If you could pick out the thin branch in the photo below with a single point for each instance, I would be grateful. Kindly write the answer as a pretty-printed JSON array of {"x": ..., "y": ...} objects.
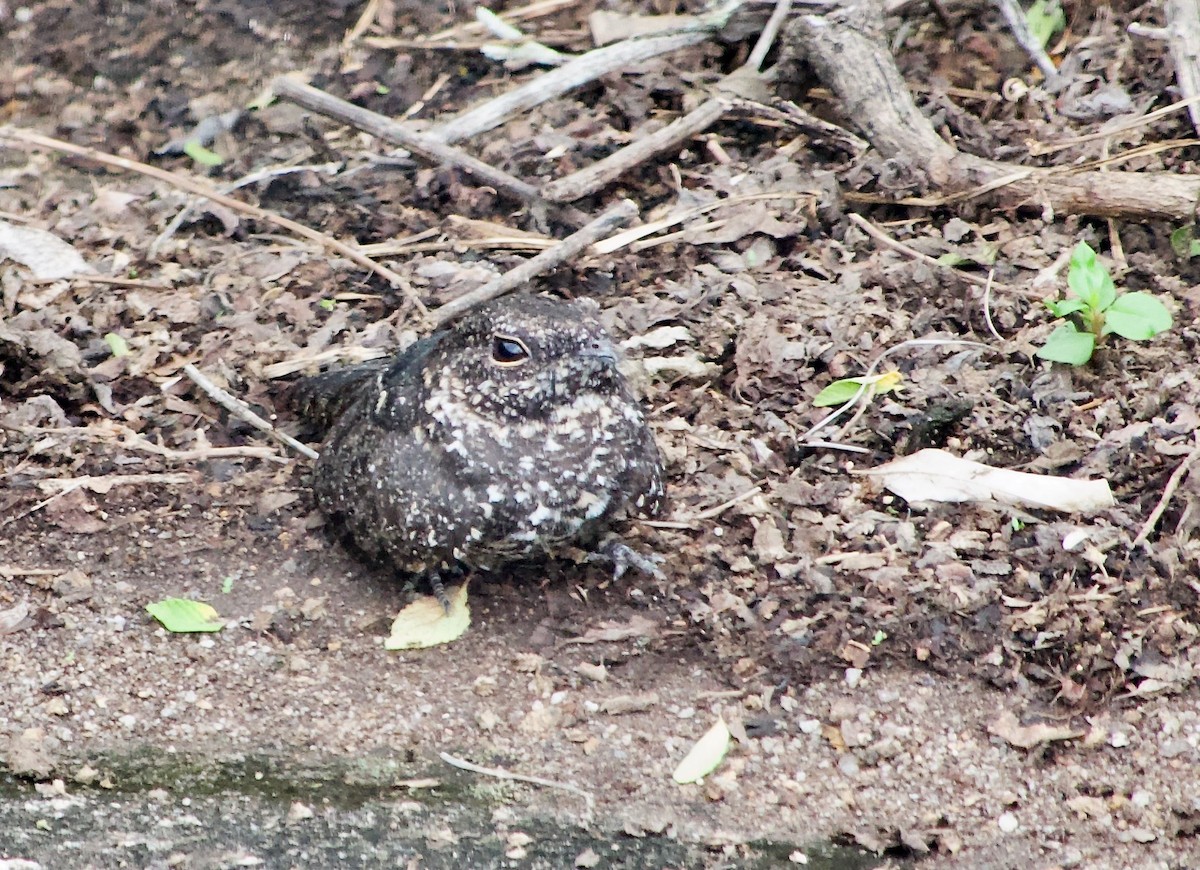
[
  {"x": 987, "y": 306},
  {"x": 101, "y": 484},
  {"x": 501, "y": 773},
  {"x": 244, "y": 181},
  {"x": 1019, "y": 25},
  {"x": 1168, "y": 491},
  {"x": 200, "y": 188},
  {"x": 846, "y": 49},
  {"x": 766, "y": 39},
  {"x": 1183, "y": 38},
  {"x": 1037, "y": 149},
  {"x": 882, "y": 237},
  {"x": 427, "y": 147},
  {"x": 643, "y": 147},
  {"x": 573, "y": 74},
  {"x": 239, "y": 410},
  {"x": 617, "y": 216},
  {"x": 689, "y": 522}
]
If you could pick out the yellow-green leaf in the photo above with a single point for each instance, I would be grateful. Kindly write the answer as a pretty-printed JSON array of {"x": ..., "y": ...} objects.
[
  {"x": 182, "y": 616},
  {"x": 841, "y": 392},
  {"x": 424, "y": 623},
  {"x": 704, "y": 757},
  {"x": 202, "y": 155},
  {"x": 118, "y": 345}
]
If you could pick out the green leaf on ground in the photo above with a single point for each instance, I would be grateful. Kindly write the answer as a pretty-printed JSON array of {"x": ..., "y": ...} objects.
[
  {"x": 118, "y": 345},
  {"x": 202, "y": 155},
  {"x": 183, "y": 616},
  {"x": 1063, "y": 307},
  {"x": 1184, "y": 243},
  {"x": 843, "y": 391}
]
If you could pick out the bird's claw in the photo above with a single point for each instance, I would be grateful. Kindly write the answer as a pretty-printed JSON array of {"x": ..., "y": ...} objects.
[{"x": 624, "y": 557}]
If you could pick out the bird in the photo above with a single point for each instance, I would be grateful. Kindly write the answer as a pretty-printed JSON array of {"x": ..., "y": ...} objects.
[{"x": 507, "y": 435}]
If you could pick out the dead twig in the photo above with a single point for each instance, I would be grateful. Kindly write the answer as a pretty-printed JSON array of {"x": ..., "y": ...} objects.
[
  {"x": 528, "y": 12},
  {"x": 645, "y": 146},
  {"x": 244, "y": 181},
  {"x": 107, "y": 432},
  {"x": 847, "y": 50},
  {"x": 1183, "y": 39},
  {"x": 1014, "y": 15},
  {"x": 239, "y": 410},
  {"x": 1173, "y": 482},
  {"x": 61, "y": 486},
  {"x": 617, "y": 216},
  {"x": 1037, "y": 149},
  {"x": 192, "y": 185},
  {"x": 758, "y": 54},
  {"x": 689, "y": 522},
  {"x": 425, "y": 146},
  {"x": 630, "y": 236},
  {"x": 573, "y": 74},
  {"x": 880, "y": 236},
  {"x": 501, "y": 773}
]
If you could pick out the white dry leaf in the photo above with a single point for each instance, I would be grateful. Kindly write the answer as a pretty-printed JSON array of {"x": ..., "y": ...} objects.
[
  {"x": 937, "y": 476},
  {"x": 14, "y": 617},
  {"x": 686, "y": 366},
  {"x": 664, "y": 336},
  {"x": 515, "y": 56},
  {"x": 46, "y": 255},
  {"x": 610, "y": 27}
]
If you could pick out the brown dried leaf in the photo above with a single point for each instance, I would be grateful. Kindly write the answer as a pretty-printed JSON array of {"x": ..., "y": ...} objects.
[
  {"x": 610, "y": 632},
  {"x": 1007, "y": 727}
]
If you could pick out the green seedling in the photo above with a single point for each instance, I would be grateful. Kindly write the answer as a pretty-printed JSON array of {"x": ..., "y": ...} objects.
[{"x": 1096, "y": 309}]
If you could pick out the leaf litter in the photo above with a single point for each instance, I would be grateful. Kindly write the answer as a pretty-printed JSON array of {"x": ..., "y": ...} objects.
[{"x": 748, "y": 321}]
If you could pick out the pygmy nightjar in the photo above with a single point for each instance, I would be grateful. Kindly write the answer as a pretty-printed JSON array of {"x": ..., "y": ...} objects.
[{"x": 508, "y": 434}]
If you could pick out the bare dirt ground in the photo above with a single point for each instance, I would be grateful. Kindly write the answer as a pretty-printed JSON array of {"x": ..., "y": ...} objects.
[{"x": 946, "y": 684}]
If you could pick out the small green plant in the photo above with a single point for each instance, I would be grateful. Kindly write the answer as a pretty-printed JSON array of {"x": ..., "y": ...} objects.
[{"x": 1096, "y": 310}]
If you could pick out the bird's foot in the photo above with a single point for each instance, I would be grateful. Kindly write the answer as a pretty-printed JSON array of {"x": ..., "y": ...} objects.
[
  {"x": 623, "y": 557},
  {"x": 439, "y": 592}
]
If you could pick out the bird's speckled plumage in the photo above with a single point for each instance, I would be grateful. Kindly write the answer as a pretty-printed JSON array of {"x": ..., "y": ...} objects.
[{"x": 506, "y": 435}]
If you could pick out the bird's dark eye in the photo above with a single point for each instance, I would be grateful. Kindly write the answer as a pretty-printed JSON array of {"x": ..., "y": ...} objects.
[{"x": 509, "y": 351}]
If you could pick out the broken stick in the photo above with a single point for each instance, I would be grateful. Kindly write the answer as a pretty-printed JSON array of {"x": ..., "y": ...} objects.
[{"x": 615, "y": 217}]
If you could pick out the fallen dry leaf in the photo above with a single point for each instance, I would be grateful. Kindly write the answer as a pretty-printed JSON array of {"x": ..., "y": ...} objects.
[
  {"x": 610, "y": 632},
  {"x": 1007, "y": 727},
  {"x": 937, "y": 476}
]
